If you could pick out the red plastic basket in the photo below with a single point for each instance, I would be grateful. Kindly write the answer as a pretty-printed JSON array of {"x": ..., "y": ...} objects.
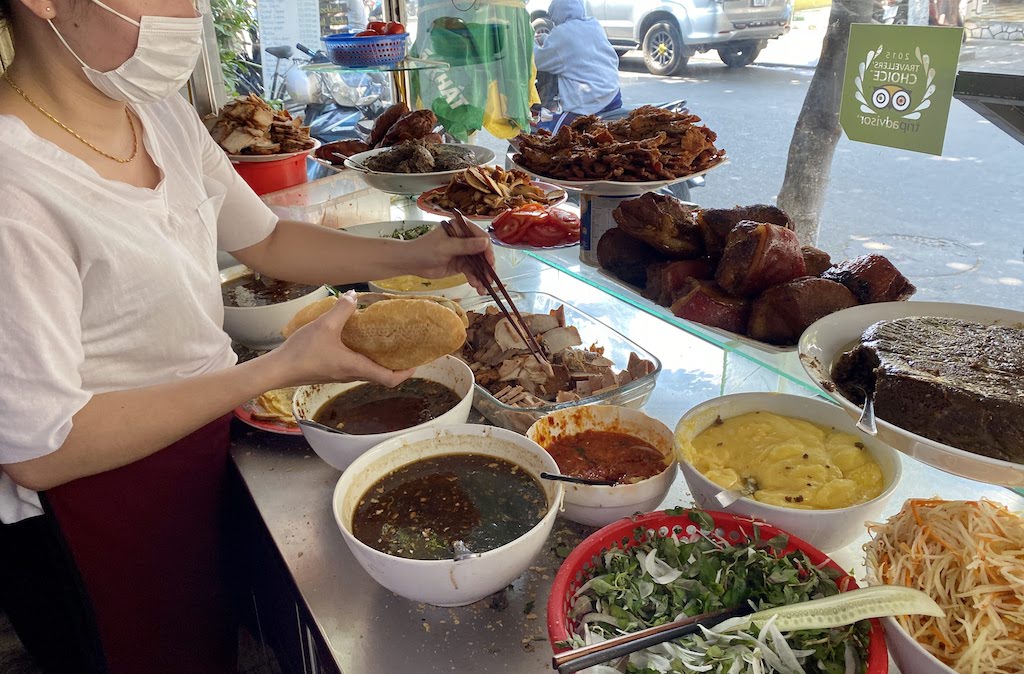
[
  {"x": 579, "y": 565},
  {"x": 348, "y": 50}
]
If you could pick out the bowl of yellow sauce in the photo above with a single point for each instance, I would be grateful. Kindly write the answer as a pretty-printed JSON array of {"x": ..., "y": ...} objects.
[
  {"x": 800, "y": 462},
  {"x": 454, "y": 287}
]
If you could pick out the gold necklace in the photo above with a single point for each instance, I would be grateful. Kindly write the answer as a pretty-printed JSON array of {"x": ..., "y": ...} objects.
[{"x": 131, "y": 123}]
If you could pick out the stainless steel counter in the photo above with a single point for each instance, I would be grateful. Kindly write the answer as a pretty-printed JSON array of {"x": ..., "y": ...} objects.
[{"x": 368, "y": 630}]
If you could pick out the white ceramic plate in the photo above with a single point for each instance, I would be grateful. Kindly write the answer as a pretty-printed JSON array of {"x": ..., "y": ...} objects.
[
  {"x": 616, "y": 188},
  {"x": 376, "y": 230},
  {"x": 826, "y": 339},
  {"x": 637, "y": 298},
  {"x": 261, "y": 158},
  {"x": 425, "y": 205},
  {"x": 411, "y": 183}
]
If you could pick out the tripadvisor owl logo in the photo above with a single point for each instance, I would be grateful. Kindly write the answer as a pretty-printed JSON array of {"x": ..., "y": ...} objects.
[
  {"x": 894, "y": 88},
  {"x": 898, "y": 85}
]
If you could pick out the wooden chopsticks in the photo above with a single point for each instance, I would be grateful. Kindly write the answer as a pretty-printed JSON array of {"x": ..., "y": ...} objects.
[{"x": 458, "y": 228}]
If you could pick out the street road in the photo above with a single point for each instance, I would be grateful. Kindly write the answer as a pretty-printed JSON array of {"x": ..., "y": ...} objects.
[{"x": 952, "y": 224}]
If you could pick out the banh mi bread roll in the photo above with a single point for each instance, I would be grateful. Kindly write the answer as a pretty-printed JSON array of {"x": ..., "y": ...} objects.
[{"x": 394, "y": 331}]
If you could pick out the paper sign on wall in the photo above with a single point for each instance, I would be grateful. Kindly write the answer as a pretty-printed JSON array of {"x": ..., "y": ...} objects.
[{"x": 898, "y": 85}]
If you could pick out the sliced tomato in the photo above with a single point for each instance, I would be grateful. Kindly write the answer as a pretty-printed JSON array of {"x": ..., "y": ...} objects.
[
  {"x": 545, "y": 234},
  {"x": 511, "y": 226},
  {"x": 394, "y": 28},
  {"x": 377, "y": 26},
  {"x": 567, "y": 220}
]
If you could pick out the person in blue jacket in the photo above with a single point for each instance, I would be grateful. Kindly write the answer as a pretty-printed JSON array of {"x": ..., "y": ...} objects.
[{"x": 578, "y": 54}]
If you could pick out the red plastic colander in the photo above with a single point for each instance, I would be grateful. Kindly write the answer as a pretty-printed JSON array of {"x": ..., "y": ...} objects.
[{"x": 624, "y": 534}]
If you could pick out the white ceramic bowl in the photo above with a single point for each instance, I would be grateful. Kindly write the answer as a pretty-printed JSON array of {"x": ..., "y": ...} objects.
[
  {"x": 446, "y": 582},
  {"x": 595, "y": 505},
  {"x": 910, "y": 657},
  {"x": 826, "y": 530},
  {"x": 259, "y": 328},
  {"x": 339, "y": 450}
]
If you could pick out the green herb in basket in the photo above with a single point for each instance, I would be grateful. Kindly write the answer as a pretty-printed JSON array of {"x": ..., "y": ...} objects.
[{"x": 668, "y": 578}]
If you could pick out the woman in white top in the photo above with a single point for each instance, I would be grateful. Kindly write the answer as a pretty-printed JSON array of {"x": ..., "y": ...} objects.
[{"x": 117, "y": 378}]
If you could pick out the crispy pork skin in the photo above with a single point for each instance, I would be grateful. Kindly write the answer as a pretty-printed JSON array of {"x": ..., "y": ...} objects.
[
  {"x": 625, "y": 257},
  {"x": 781, "y": 313},
  {"x": 704, "y": 302},
  {"x": 816, "y": 261},
  {"x": 663, "y": 222},
  {"x": 667, "y": 280},
  {"x": 872, "y": 278},
  {"x": 757, "y": 256},
  {"x": 716, "y": 223},
  {"x": 385, "y": 122}
]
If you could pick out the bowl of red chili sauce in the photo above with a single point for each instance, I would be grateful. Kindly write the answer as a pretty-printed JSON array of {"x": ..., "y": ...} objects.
[{"x": 610, "y": 443}]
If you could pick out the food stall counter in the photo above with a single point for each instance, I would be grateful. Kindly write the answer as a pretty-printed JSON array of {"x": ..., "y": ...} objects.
[{"x": 320, "y": 610}]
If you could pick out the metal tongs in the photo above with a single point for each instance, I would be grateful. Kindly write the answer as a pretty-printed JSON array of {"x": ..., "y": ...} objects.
[{"x": 458, "y": 228}]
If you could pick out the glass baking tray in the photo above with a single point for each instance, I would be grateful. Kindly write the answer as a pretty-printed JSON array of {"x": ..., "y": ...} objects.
[{"x": 617, "y": 348}]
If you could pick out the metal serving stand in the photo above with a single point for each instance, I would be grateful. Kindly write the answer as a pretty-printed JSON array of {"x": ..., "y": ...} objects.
[{"x": 998, "y": 97}]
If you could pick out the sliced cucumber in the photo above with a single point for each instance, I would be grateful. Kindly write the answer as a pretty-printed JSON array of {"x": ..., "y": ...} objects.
[{"x": 844, "y": 609}]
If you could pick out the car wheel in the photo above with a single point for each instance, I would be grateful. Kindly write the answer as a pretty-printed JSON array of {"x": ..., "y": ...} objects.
[
  {"x": 541, "y": 26},
  {"x": 739, "y": 54},
  {"x": 664, "y": 52}
]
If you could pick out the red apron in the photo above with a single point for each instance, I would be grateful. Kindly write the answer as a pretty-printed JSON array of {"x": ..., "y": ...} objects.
[{"x": 147, "y": 541}]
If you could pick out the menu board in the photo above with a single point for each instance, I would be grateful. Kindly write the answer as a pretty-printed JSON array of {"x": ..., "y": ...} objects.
[{"x": 286, "y": 22}]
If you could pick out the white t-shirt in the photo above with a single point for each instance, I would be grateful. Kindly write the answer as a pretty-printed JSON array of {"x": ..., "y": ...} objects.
[{"x": 108, "y": 286}]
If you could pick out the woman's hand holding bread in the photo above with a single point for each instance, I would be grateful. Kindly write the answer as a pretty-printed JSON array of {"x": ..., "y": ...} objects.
[
  {"x": 315, "y": 353},
  {"x": 393, "y": 332}
]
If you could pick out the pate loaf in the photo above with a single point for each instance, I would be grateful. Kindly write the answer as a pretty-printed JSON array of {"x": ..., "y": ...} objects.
[{"x": 394, "y": 331}]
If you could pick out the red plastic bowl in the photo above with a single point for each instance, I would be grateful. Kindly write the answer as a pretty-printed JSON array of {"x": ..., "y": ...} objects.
[
  {"x": 579, "y": 565},
  {"x": 270, "y": 176}
]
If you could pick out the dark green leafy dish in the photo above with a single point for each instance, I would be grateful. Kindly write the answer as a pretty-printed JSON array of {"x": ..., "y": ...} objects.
[{"x": 668, "y": 578}]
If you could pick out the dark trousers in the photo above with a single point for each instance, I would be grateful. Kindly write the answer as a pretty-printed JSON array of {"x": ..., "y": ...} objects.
[
  {"x": 42, "y": 595},
  {"x": 126, "y": 571}
]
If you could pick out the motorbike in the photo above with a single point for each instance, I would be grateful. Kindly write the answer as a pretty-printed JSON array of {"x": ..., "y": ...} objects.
[{"x": 332, "y": 104}]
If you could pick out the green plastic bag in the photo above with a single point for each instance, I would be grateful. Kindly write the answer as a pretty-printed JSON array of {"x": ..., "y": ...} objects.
[{"x": 489, "y": 82}]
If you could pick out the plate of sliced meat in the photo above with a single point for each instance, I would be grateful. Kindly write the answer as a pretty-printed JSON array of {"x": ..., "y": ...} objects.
[{"x": 946, "y": 380}]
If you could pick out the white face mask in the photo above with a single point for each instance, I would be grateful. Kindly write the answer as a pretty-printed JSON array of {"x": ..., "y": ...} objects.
[{"x": 163, "y": 61}]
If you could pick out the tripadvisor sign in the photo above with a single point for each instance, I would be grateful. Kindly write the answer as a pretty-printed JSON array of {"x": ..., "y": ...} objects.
[{"x": 899, "y": 84}]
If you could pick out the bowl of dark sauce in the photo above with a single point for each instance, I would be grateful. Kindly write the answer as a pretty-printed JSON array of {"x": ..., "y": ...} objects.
[
  {"x": 366, "y": 413},
  {"x": 257, "y": 308},
  {"x": 448, "y": 515}
]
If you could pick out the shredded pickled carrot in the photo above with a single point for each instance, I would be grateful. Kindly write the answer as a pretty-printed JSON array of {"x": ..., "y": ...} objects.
[{"x": 969, "y": 557}]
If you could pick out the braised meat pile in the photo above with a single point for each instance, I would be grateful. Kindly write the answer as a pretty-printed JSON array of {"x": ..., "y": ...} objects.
[
  {"x": 503, "y": 365},
  {"x": 248, "y": 125},
  {"x": 649, "y": 144},
  {"x": 740, "y": 269},
  {"x": 395, "y": 125},
  {"x": 957, "y": 382},
  {"x": 420, "y": 156}
]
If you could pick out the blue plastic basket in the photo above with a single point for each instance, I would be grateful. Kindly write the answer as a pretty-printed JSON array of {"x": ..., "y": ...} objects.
[{"x": 345, "y": 49}]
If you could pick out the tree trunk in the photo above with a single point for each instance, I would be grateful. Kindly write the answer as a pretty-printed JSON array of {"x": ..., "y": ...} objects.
[{"x": 817, "y": 129}]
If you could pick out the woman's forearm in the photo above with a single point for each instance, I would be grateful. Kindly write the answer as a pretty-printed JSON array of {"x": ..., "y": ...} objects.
[
  {"x": 306, "y": 253},
  {"x": 120, "y": 427}
]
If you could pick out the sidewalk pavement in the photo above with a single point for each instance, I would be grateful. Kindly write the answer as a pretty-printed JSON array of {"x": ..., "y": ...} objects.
[{"x": 801, "y": 47}]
